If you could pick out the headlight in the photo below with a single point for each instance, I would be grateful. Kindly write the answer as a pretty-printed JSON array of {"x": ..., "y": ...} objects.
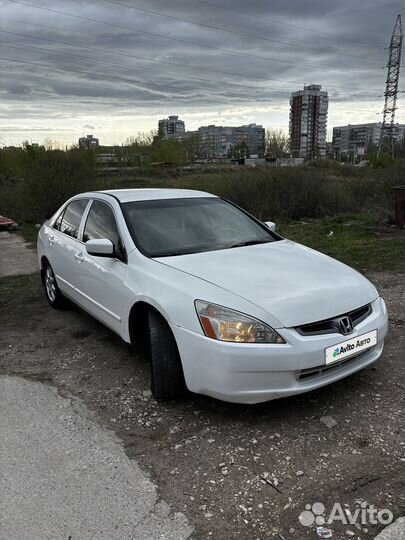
[{"x": 228, "y": 325}]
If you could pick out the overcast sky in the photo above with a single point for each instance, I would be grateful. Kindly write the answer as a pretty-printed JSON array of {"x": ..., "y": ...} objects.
[{"x": 224, "y": 62}]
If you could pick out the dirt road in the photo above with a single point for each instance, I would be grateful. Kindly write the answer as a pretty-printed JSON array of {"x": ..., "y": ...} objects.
[
  {"x": 236, "y": 472},
  {"x": 17, "y": 256}
]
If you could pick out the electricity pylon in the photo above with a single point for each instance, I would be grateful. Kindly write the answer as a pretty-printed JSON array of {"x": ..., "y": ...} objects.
[{"x": 391, "y": 90}]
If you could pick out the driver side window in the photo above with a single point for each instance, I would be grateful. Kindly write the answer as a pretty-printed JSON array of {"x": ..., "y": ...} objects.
[{"x": 101, "y": 223}]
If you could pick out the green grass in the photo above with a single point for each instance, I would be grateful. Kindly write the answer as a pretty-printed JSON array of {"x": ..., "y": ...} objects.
[
  {"x": 357, "y": 241},
  {"x": 18, "y": 286}
]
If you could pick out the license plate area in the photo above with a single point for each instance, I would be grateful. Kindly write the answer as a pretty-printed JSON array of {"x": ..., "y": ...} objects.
[{"x": 350, "y": 347}]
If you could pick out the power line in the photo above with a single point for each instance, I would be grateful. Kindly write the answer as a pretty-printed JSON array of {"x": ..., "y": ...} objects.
[
  {"x": 153, "y": 34},
  {"x": 65, "y": 13},
  {"x": 115, "y": 78},
  {"x": 290, "y": 25},
  {"x": 20, "y": 46},
  {"x": 98, "y": 87},
  {"x": 212, "y": 47},
  {"x": 79, "y": 83},
  {"x": 214, "y": 27},
  {"x": 198, "y": 67},
  {"x": 232, "y": 73},
  {"x": 166, "y": 62},
  {"x": 76, "y": 83},
  {"x": 228, "y": 97}
]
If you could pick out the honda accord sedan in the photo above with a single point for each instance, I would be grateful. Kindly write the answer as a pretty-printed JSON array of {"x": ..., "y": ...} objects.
[{"x": 220, "y": 302}]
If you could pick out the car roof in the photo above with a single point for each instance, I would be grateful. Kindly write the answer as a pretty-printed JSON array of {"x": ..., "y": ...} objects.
[{"x": 148, "y": 194}]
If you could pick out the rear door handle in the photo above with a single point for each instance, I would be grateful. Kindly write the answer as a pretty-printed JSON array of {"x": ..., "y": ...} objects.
[
  {"x": 79, "y": 257},
  {"x": 51, "y": 239}
]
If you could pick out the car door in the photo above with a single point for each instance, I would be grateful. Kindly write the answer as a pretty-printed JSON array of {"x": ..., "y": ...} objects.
[
  {"x": 101, "y": 279},
  {"x": 64, "y": 244}
]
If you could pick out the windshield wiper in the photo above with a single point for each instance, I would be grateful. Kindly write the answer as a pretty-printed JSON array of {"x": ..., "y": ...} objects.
[{"x": 249, "y": 243}]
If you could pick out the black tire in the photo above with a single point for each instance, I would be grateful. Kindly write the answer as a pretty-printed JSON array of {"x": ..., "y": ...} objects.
[
  {"x": 52, "y": 292},
  {"x": 167, "y": 377}
]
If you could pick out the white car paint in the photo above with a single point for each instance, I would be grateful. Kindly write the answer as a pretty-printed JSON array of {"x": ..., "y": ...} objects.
[
  {"x": 283, "y": 284},
  {"x": 296, "y": 284}
]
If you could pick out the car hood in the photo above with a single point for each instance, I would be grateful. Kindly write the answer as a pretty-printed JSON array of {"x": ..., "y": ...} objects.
[{"x": 293, "y": 283}]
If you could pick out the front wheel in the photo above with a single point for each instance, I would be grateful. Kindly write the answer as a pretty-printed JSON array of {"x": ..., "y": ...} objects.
[
  {"x": 52, "y": 292},
  {"x": 167, "y": 377}
]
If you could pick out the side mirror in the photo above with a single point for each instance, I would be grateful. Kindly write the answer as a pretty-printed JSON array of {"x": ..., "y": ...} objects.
[
  {"x": 271, "y": 225},
  {"x": 100, "y": 248}
]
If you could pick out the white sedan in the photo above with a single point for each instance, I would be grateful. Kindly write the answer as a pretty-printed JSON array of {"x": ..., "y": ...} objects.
[{"x": 223, "y": 305}]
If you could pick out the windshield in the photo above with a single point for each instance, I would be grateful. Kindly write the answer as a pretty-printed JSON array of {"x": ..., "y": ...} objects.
[{"x": 161, "y": 228}]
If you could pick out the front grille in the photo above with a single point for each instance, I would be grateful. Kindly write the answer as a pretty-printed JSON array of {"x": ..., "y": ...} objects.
[
  {"x": 331, "y": 326},
  {"x": 321, "y": 370}
]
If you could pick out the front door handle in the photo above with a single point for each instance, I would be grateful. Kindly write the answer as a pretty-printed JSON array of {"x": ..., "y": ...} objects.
[{"x": 79, "y": 257}]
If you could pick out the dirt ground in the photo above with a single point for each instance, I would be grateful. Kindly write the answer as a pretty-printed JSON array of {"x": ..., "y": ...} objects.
[
  {"x": 17, "y": 256},
  {"x": 237, "y": 472}
]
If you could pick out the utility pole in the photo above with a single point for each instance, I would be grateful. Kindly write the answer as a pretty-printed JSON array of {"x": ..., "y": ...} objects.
[{"x": 391, "y": 90}]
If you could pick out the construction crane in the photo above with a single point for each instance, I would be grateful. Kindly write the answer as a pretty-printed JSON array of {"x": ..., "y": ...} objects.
[{"x": 391, "y": 90}]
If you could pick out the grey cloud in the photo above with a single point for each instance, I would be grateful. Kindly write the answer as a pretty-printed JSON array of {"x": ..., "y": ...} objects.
[{"x": 68, "y": 81}]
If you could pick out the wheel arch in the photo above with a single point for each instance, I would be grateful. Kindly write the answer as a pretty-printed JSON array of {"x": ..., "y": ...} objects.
[
  {"x": 138, "y": 321},
  {"x": 44, "y": 261}
]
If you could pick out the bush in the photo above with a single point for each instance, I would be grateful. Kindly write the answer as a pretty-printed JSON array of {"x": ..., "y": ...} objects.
[
  {"x": 34, "y": 182},
  {"x": 38, "y": 181},
  {"x": 300, "y": 192}
]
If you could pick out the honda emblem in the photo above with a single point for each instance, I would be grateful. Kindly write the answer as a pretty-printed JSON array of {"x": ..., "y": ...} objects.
[{"x": 345, "y": 325}]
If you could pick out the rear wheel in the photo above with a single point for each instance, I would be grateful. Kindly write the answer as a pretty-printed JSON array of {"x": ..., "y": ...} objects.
[
  {"x": 52, "y": 292},
  {"x": 167, "y": 377}
]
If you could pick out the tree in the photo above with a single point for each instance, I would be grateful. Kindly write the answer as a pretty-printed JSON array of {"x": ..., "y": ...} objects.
[
  {"x": 277, "y": 143},
  {"x": 169, "y": 151},
  {"x": 50, "y": 144},
  {"x": 142, "y": 139},
  {"x": 192, "y": 146},
  {"x": 240, "y": 150}
]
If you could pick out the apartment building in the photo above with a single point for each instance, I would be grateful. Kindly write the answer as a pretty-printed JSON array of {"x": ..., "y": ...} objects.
[
  {"x": 308, "y": 119},
  {"x": 171, "y": 127},
  {"x": 219, "y": 141},
  {"x": 88, "y": 142},
  {"x": 353, "y": 140}
]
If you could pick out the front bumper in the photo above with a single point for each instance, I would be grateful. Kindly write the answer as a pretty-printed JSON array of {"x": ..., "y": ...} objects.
[{"x": 253, "y": 373}]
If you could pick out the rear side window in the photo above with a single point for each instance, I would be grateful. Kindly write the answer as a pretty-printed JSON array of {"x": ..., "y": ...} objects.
[
  {"x": 72, "y": 217},
  {"x": 58, "y": 221},
  {"x": 101, "y": 223}
]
